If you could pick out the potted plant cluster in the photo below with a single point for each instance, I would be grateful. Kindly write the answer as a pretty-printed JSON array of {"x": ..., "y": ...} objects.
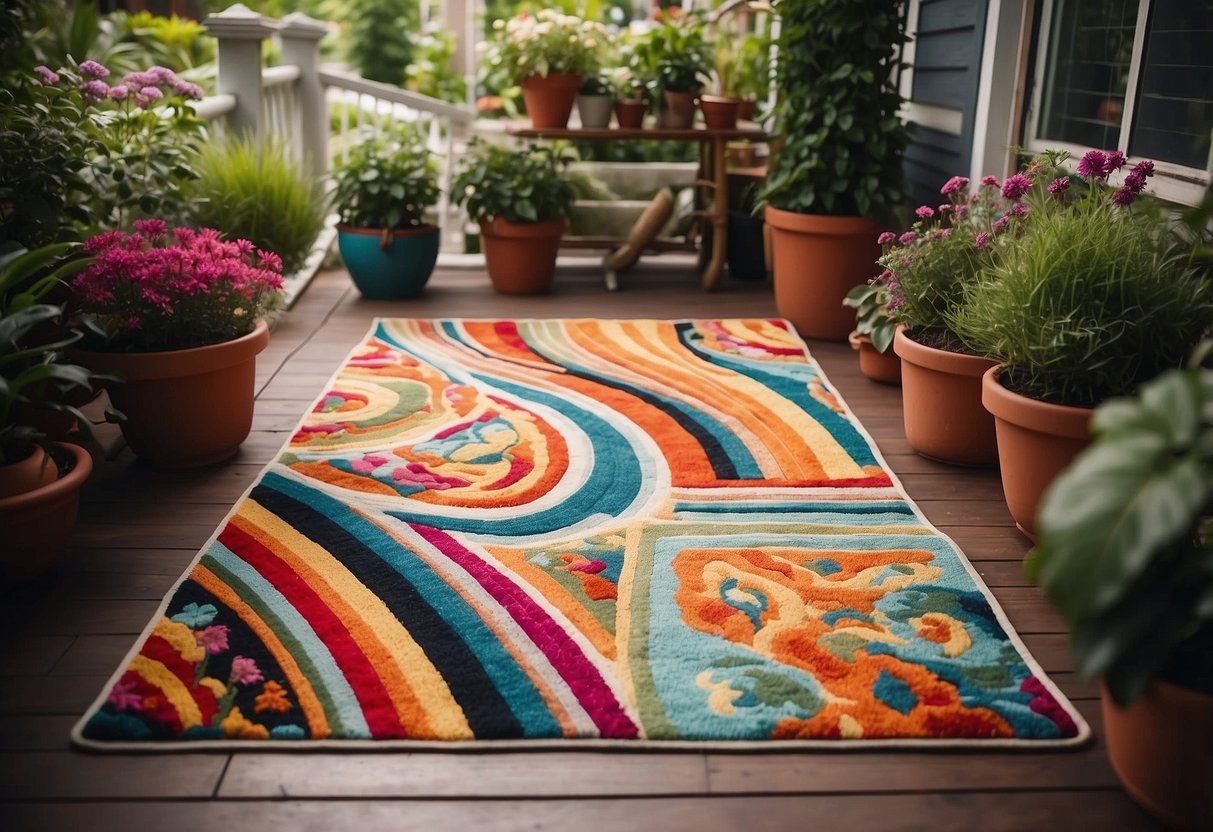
[
  {"x": 40, "y": 481},
  {"x": 594, "y": 102},
  {"x": 874, "y": 330},
  {"x": 839, "y": 171},
  {"x": 521, "y": 200},
  {"x": 925, "y": 272},
  {"x": 683, "y": 60},
  {"x": 383, "y": 190},
  {"x": 631, "y": 98},
  {"x": 548, "y": 54},
  {"x": 1126, "y": 556},
  {"x": 1095, "y": 294},
  {"x": 177, "y": 317}
]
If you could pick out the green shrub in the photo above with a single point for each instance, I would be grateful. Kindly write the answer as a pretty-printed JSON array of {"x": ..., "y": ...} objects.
[
  {"x": 252, "y": 189},
  {"x": 388, "y": 181},
  {"x": 526, "y": 185}
]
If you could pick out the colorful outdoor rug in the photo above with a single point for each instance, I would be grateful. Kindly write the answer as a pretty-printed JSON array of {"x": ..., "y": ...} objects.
[{"x": 553, "y": 530}]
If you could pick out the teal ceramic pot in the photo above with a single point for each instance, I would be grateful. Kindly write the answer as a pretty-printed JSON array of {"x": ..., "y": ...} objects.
[{"x": 389, "y": 266}]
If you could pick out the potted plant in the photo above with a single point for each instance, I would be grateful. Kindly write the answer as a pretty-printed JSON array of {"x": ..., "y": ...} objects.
[
  {"x": 683, "y": 60},
  {"x": 1095, "y": 295},
  {"x": 753, "y": 72},
  {"x": 383, "y": 190},
  {"x": 925, "y": 271},
  {"x": 839, "y": 171},
  {"x": 40, "y": 481},
  {"x": 631, "y": 99},
  {"x": 594, "y": 102},
  {"x": 177, "y": 316},
  {"x": 873, "y": 335},
  {"x": 720, "y": 108},
  {"x": 548, "y": 54},
  {"x": 1125, "y": 556},
  {"x": 521, "y": 200}
]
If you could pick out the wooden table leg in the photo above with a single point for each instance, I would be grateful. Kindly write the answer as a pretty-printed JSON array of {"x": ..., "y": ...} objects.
[{"x": 720, "y": 215}]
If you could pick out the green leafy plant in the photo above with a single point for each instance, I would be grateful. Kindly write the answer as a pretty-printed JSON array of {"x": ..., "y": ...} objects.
[
  {"x": 389, "y": 180},
  {"x": 673, "y": 55},
  {"x": 526, "y": 185},
  {"x": 547, "y": 42},
  {"x": 595, "y": 85},
  {"x": 871, "y": 304},
  {"x": 379, "y": 45},
  {"x": 753, "y": 66},
  {"x": 35, "y": 376},
  {"x": 843, "y": 139},
  {"x": 430, "y": 71},
  {"x": 253, "y": 189},
  {"x": 1125, "y": 550},
  {"x": 1094, "y": 294}
]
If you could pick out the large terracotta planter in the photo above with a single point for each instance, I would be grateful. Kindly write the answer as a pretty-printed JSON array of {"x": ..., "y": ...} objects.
[
  {"x": 521, "y": 257},
  {"x": 389, "y": 264},
  {"x": 184, "y": 408},
  {"x": 678, "y": 110},
  {"x": 884, "y": 367},
  {"x": 941, "y": 404},
  {"x": 1161, "y": 747},
  {"x": 1035, "y": 441},
  {"x": 817, "y": 260},
  {"x": 37, "y": 523},
  {"x": 549, "y": 100}
]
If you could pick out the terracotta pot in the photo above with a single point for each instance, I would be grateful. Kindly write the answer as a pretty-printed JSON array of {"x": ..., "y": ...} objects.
[
  {"x": 184, "y": 408},
  {"x": 1035, "y": 441},
  {"x": 745, "y": 109},
  {"x": 1161, "y": 747},
  {"x": 38, "y": 523},
  {"x": 521, "y": 257},
  {"x": 816, "y": 260},
  {"x": 884, "y": 367},
  {"x": 941, "y": 404},
  {"x": 549, "y": 101},
  {"x": 678, "y": 113},
  {"x": 719, "y": 113},
  {"x": 36, "y": 470},
  {"x": 630, "y": 112},
  {"x": 594, "y": 110}
]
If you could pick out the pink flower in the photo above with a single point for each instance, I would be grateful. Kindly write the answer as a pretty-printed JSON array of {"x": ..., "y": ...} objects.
[
  {"x": 1124, "y": 196},
  {"x": 1136, "y": 180},
  {"x": 983, "y": 239},
  {"x": 1016, "y": 186},
  {"x": 907, "y": 238},
  {"x": 956, "y": 183},
  {"x": 941, "y": 233},
  {"x": 213, "y": 639},
  {"x": 124, "y": 697},
  {"x": 187, "y": 90},
  {"x": 269, "y": 260},
  {"x": 152, "y": 229},
  {"x": 245, "y": 671},
  {"x": 1018, "y": 209},
  {"x": 1114, "y": 162},
  {"x": 146, "y": 96},
  {"x": 49, "y": 77},
  {"x": 1092, "y": 164},
  {"x": 94, "y": 92},
  {"x": 120, "y": 92},
  {"x": 92, "y": 69},
  {"x": 1059, "y": 185},
  {"x": 162, "y": 75},
  {"x": 989, "y": 181},
  {"x": 886, "y": 238},
  {"x": 924, "y": 212},
  {"x": 1000, "y": 224}
]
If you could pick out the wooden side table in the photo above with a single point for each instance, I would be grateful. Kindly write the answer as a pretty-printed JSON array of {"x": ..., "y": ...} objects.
[{"x": 711, "y": 178}]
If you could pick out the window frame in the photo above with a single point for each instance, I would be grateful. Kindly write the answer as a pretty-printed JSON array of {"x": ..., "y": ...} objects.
[{"x": 1173, "y": 182}]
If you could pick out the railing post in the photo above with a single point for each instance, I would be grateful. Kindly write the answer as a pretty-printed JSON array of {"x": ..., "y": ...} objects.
[
  {"x": 240, "y": 31},
  {"x": 301, "y": 37}
]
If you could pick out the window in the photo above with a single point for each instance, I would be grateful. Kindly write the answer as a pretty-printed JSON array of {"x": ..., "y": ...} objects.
[{"x": 1130, "y": 74}]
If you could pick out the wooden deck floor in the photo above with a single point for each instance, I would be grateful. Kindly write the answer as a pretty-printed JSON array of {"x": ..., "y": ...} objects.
[{"x": 140, "y": 527}]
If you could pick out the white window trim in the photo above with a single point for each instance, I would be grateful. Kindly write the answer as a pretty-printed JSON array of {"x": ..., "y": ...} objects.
[{"x": 1172, "y": 182}]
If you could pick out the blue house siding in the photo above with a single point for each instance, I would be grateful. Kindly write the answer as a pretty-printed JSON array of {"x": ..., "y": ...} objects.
[{"x": 947, "y": 70}]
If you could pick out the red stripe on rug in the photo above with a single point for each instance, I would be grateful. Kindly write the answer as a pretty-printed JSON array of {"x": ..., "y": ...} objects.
[
  {"x": 570, "y": 662},
  {"x": 368, "y": 687}
]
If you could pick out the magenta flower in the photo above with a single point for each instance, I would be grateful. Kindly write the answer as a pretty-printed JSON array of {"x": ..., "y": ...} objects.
[
  {"x": 956, "y": 183},
  {"x": 885, "y": 238},
  {"x": 983, "y": 239},
  {"x": 1016, "y": 186},
  {"x": 1000, "y": 224},
  {"x": 49, "y": 77},
  {"x": 1136, "y": 179},
  {"x": 187, "y": 90},
  {"x": 92, "y": 69},
  {"x": 94, "y": 92},
  {"x": 1059, "y": 185},
  {"x": 1018, "y": 209},
  {"x": 119, "y": 92},
  {"x": 245, "y": 671},
  {"x": 269, "y": 260},
  {"x": 1114, "y": 162},
  {"x": 989, "y": 181},
  {"x": 941, "y": 233},
  {"x": 152, "y": 229},
  {"x": 924, "y": 212},
  {"x": 146, "y": 96},
  {"x": 1092, "y": 164},
  {"x": 1124, "y": 196},
  {"x": 124, "y": 697},
  {"x": 907, "y": 238},
  {"x": 213, "y": 639}
]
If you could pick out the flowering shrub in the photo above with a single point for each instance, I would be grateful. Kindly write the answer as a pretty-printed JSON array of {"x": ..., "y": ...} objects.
[
  {"x": 547, "y": 42},
  {"x": 169, "y": 289},
  {"x": 77, "y": 146},
  {"x": 1095, "y": 294}
]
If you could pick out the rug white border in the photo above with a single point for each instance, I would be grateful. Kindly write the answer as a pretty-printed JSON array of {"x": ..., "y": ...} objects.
[{"x": 645, "y": 746}]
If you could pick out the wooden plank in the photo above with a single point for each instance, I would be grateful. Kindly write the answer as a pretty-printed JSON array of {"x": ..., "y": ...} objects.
[
  {"x": 94, "y": 655},
  {"x": 65, "y": 774},
  {"x": 49, "y": 694},
  {"x": 32, "y": 655},
  {"x": 35, "y": 732}
]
